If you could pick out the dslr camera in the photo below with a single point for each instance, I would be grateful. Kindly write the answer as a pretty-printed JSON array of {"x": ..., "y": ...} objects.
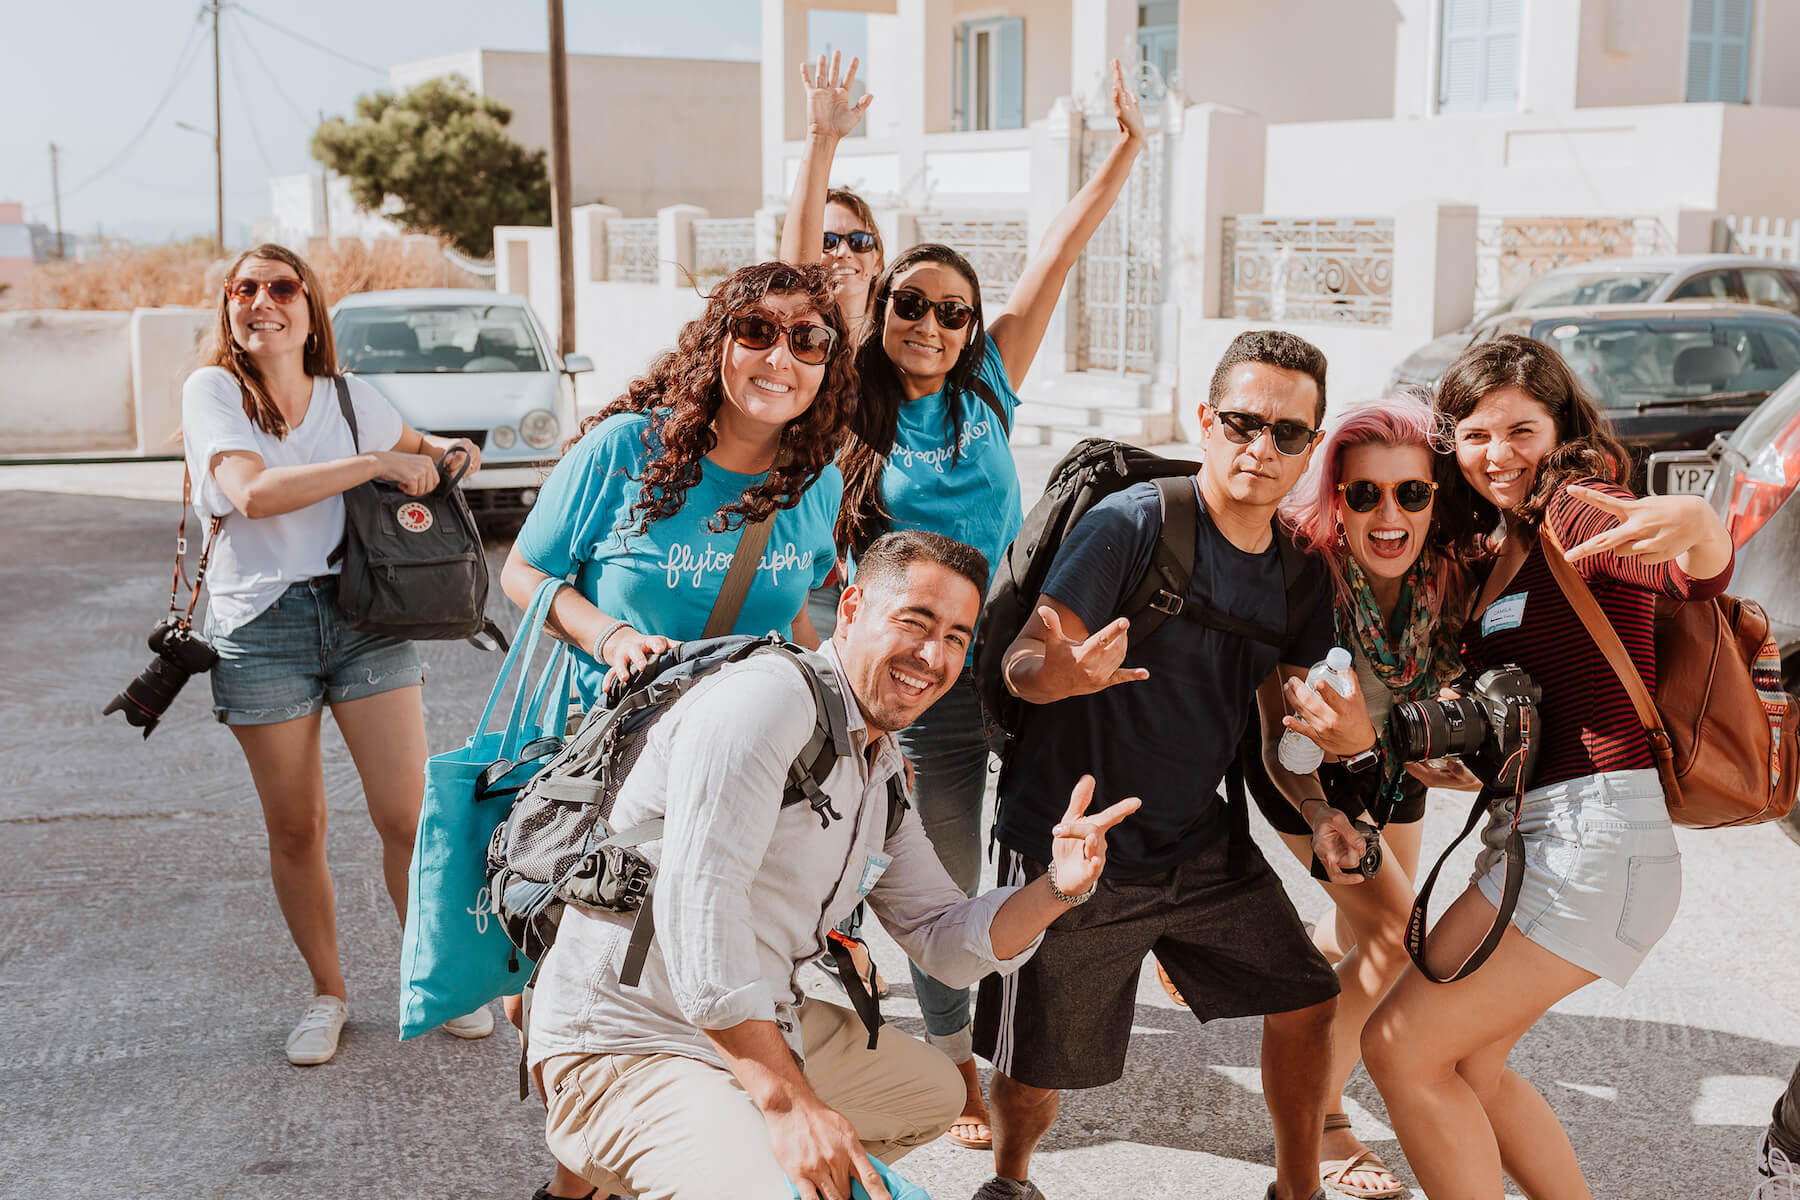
[
  {"x": 180, "y": 654},
  {"x": 1491, "y": 723}
]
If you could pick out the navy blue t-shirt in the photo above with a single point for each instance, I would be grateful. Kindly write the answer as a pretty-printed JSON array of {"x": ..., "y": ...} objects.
[{"x": 1169, "y": 738}]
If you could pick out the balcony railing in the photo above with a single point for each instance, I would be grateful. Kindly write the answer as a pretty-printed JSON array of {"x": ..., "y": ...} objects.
[{"x": 1309, "y": 269}]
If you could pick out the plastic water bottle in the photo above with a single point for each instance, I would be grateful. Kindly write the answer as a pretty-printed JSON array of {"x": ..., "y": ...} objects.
[{"x": 1298, "y": 753}]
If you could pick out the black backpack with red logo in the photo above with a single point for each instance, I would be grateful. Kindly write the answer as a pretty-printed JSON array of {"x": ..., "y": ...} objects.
[{"x": 412, "y": 565}]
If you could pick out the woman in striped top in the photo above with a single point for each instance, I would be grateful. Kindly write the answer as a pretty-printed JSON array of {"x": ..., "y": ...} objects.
[{"x": 1603, "y": 875}]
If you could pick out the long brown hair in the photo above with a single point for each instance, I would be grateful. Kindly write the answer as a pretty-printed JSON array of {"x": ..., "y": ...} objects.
[
  {"x": 865, "y": 216},
  {"x": 1584, "y": 448},
  {"x": 227, "y": 352},
  {"x": 681, "y": 394}
]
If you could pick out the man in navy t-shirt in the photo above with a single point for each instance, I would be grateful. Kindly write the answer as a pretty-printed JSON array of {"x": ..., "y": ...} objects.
[{"x": 1161, "y": 721}]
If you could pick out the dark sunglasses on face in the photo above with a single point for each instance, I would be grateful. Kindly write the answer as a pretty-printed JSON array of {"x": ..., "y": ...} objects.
[
  {"x": 909, "y": 305},
  {"x": 1291, "y": 437},
  {"x": 861, "y": 241},
  {"x": 282, "y": 291},
  {"x": 809, "y": 343},
  {"x": 1362, "y": 495}
]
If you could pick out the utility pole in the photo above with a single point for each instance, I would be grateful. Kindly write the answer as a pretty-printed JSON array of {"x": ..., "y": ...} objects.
[
  {"x": 56, "y": 199},
  {"x": 218, "y": 139},
  {"x": 560, "y": 214},
  {"x": 325, "y": 192}
]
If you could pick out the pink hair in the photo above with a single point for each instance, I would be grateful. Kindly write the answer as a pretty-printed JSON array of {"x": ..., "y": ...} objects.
[{"x": 1401, "y": 418}]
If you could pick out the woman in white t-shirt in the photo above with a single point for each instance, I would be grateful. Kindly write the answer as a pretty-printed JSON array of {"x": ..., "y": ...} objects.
[{"x": 269, "y": 451}]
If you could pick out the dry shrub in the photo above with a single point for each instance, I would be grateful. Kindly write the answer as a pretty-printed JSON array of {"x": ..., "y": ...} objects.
[{"x": 188, "y": 275}]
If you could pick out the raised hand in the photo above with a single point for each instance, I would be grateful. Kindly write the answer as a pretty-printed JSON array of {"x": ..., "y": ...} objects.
[
  {"x": 1083, "y": 668},
  {"x": 1653, "y": 529},
  {"x": 1078, "y": 846},
  {"x": 828, "y": 107},
  {"x": 1125, "y": 105}
]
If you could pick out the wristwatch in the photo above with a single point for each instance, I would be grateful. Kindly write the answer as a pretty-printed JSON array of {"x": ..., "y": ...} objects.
[
  {"x": 1071, "y": 901},
  {"x": 1356, "y": 764}
]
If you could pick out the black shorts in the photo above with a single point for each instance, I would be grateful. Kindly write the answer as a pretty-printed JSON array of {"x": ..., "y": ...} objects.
[
  {"x": 1285, "y": 818},
  {"x": 1233, "y": 944}
]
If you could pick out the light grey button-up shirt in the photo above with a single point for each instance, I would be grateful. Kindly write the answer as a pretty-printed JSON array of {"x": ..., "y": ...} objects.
[{"x": 746, "y": 890}]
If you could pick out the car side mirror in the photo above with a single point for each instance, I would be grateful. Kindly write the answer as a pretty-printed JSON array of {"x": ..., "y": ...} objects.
[{"x": 575, "y": 364}]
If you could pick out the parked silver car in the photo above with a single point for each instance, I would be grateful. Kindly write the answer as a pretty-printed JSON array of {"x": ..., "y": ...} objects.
[
  {"x": 1718, "y": 278},
  {"x": 464, "y": 363}
]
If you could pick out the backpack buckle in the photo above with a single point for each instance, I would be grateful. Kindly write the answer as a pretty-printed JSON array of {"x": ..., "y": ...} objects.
[{"x": 1167, "y": 602}]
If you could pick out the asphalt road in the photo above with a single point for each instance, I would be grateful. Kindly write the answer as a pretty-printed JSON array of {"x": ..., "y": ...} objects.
[{"x": 147, "y": 982}]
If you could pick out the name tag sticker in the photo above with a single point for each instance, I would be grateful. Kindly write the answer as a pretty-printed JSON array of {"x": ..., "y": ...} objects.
[
  {"x": 873, "y": 866},
  {"x": 1508, "y": 612}
]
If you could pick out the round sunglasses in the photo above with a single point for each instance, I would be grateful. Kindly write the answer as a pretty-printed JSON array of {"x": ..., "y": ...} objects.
[
  {"x": 1291, "y": 437},
  {"x": 910, "y": 305},
  {"x": 282, "y": 291},
  {"x": 861, "y": 241},
  {"x": 807, "y": 342},
  {"x": 1362, "y": 495}
]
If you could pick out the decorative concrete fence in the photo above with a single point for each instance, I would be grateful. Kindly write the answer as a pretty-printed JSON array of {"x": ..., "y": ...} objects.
[
  {"x": 1337, "y": 269},
  {"x": 1766, "y": 237},
  {"x": 1512, "y": 251}
]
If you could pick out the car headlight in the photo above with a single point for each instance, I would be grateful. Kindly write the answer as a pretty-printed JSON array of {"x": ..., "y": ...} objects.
[
  {"x": 538, "y": 428},
  {"x": 504, "y": 436}
]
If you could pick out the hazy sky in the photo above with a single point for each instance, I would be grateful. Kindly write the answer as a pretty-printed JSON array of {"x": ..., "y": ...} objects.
[{"x": 87, "y": 75}]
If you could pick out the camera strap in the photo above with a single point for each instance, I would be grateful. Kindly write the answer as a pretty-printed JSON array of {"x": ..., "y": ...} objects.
[{"x": 180, "y": 578}]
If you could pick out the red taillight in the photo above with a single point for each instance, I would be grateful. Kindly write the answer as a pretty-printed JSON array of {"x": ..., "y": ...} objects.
[{"x": 1764, "y": 484}]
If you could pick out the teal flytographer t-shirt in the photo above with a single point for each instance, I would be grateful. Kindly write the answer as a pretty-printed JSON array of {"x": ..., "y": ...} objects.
[
  {"x": 665, "y": 579},
  {"x": 959, "y": 482}
]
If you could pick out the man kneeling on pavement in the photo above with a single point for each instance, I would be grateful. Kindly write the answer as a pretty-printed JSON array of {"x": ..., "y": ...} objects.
[{"x": 716, "y": 1075}]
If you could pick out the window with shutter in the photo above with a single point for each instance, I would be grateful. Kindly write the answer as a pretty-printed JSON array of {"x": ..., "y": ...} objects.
[
  {"x": 1478, "y": 59},
  {"x": 1718, "y": 66},
  {"x": 992, "y": 66}
]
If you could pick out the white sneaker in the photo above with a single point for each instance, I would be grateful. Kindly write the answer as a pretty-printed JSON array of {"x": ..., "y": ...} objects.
[
  {"x": 477, "y": 1024},
  {"x": 315, "y": 1038},
  {"x": 1779, "y": 1174}
]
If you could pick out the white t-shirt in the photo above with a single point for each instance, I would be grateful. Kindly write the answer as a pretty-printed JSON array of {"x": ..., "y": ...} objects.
[{"x": 254, "y": 561}]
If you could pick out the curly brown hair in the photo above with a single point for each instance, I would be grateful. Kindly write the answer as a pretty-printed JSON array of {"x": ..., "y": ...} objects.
[
  {"x": 681, "y": 394},
  {"x": 226, "y": 351}
]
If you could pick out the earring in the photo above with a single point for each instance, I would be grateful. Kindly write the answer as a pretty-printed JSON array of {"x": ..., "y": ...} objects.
[{"x": 1340, "y": 534}]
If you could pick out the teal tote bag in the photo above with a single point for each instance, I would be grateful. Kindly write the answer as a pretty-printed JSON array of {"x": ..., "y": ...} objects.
[{"x": 454, "y": 956}]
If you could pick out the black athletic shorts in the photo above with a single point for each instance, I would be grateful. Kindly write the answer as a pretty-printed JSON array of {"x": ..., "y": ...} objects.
[{"x": 1233, "y": 944}]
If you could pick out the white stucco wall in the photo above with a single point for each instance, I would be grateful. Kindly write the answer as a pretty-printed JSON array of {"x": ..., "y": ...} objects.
[
  {"x": 68, "y": 382},
  {"x": 1299, "y": 60}
]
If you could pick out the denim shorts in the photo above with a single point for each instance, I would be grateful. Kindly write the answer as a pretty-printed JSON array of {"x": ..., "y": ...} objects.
[
  {"x": 298, "y": 655},
  {"x": 1602, "y": 871}
]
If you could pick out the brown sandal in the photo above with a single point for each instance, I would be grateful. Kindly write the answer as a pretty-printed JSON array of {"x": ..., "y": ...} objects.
[{"x": 1333, "y": 1170}]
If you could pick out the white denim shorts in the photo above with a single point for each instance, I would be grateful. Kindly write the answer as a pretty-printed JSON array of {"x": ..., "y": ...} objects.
[{"x": 1602, "y": 872}]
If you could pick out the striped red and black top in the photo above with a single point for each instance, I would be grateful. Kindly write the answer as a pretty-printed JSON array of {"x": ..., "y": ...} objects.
[{"x": 1588, "y": 722}]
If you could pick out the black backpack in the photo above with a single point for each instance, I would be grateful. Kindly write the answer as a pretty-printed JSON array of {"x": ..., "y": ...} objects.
[{"x": 412, "y": 565}]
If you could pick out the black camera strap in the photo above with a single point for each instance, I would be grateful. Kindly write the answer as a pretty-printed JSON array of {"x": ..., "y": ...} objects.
[{"x": 181, "y": 546}]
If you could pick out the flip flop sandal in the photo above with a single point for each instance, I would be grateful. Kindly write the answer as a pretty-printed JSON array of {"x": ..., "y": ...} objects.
[
  {"x": 981, "y": 1143},
  {"x": 1332, "y": 1172},
  {"x": 1168, "y": 984}
]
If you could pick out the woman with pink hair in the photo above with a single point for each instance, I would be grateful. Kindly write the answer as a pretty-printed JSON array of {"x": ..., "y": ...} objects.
[{"x": 1365, "y": 508}]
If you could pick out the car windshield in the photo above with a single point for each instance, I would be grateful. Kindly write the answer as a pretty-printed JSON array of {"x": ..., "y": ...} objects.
[
  {"x": 1623, "y": 364},
  {"x": 429, "y": 338},
  {"x": 1573, "y": 287}
]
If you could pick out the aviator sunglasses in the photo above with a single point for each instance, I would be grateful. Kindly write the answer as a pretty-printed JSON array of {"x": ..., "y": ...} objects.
[
  {"x": 282, "y": 291},
  {"x": 861, "y": 241},
  {"x": 809, "y": 343},
  {"x": 909, "y": 305},
  {"x": 1362, "y": 495},
  {"x": 1291, "y": 437}
]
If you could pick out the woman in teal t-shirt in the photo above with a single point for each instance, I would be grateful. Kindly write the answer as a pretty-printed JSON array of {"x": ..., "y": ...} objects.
[{"x": 930, "y": 449}]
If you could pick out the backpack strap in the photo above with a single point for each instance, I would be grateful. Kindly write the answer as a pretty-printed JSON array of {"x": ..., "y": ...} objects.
[
  {"x": 830, "y": 738},
  {"x": 1162, "y": 593},
  {"x": 986, "y": 395},
  {"x": 744, "y": 560},
  {"x": 348, "y": 409},
  {"x": 638, "y": 948}
]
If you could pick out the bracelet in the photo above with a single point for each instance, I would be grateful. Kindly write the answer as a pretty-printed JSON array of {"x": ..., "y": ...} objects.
[
  {"x": 599, "y": 643},
  {"x": 1071, "y": 901},
  {"x": 1006, "y": 666},
  {"x": 1312, "y": 800}
]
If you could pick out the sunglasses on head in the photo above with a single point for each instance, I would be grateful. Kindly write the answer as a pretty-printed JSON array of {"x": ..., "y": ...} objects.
[
  {"x": 809, "y": 343},
  {"x": 1362, "y": 495},
  {"x": 909, "y": 305},
  {"x": 1291, "y": 437},
  {"x": 282, "y": 291},
  {"x": 861, "y": 241}
]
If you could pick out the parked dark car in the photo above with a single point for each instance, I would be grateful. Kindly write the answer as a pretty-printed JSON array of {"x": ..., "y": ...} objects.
[
  {"x": 1706, "y": 278},
  {"x": 1758, "y": 468},
  {"x": 1669, "y": 377}
]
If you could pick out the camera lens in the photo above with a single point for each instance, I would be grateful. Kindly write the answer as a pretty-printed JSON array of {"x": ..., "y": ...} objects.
[
  {"x": 1438, "y": 728},
  {"x": 146, "y": 698}
]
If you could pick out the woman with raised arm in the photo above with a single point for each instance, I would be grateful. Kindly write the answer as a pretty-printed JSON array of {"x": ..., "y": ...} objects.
[
  {"x": 1602, "y": 871},
  {"x": 833, "y": 225},
  {"x": 930, "y": 449},
  {"x": 270, "y": 453}
]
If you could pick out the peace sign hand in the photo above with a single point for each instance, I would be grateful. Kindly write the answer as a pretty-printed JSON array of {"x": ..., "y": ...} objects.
[
  {"x": 1078, "y": 847},
  {"x": 1083, "y": 668},
  {"x": 1652, "y": 529},
  {"x": 828, "y": 108}
]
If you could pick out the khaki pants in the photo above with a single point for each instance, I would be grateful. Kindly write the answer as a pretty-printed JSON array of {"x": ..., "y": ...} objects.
[{"x": 668, "y": 1127}]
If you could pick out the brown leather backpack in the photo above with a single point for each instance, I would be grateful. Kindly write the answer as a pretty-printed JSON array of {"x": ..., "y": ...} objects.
[{"x": 1721, "y": 726}]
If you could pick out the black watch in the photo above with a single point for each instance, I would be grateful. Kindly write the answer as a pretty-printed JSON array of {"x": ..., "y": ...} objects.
[{"x": 1356, "y": 764}]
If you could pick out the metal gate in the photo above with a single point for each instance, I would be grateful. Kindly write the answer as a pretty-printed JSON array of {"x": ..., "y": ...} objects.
[{"x": 1121, "y": 275}]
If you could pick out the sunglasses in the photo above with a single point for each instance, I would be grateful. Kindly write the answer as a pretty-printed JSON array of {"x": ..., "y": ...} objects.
[
  {"x": 861, "y": 241},
  {"x": 282, "y": 291},
  {"x": 909, "y": 305},
  {"x": 1291, "y": 437},
  {"x": 809, "y": 343},
  {"x": 1362, "y": 495}
]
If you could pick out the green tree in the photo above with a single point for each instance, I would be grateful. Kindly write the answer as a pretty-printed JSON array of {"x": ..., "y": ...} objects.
[{"x": 443, "y": 152}]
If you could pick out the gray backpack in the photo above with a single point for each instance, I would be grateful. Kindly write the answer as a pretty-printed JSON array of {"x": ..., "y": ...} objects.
[{"x": 413, "y": 566}]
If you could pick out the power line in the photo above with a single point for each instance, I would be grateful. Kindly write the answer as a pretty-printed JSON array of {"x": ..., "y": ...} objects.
[
  {"x": 269, "y": 76},
  {"x": 319, "y": 46},
  {"x": 182, "y": 62},
  {"x": 237, "y": 79}
]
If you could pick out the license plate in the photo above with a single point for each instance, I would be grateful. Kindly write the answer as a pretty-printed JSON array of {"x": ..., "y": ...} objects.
[{"x": 1681, "y": 474}]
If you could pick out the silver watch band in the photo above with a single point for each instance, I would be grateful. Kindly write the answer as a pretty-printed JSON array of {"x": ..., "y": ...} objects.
[{"x": 1066, "y": 898}]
